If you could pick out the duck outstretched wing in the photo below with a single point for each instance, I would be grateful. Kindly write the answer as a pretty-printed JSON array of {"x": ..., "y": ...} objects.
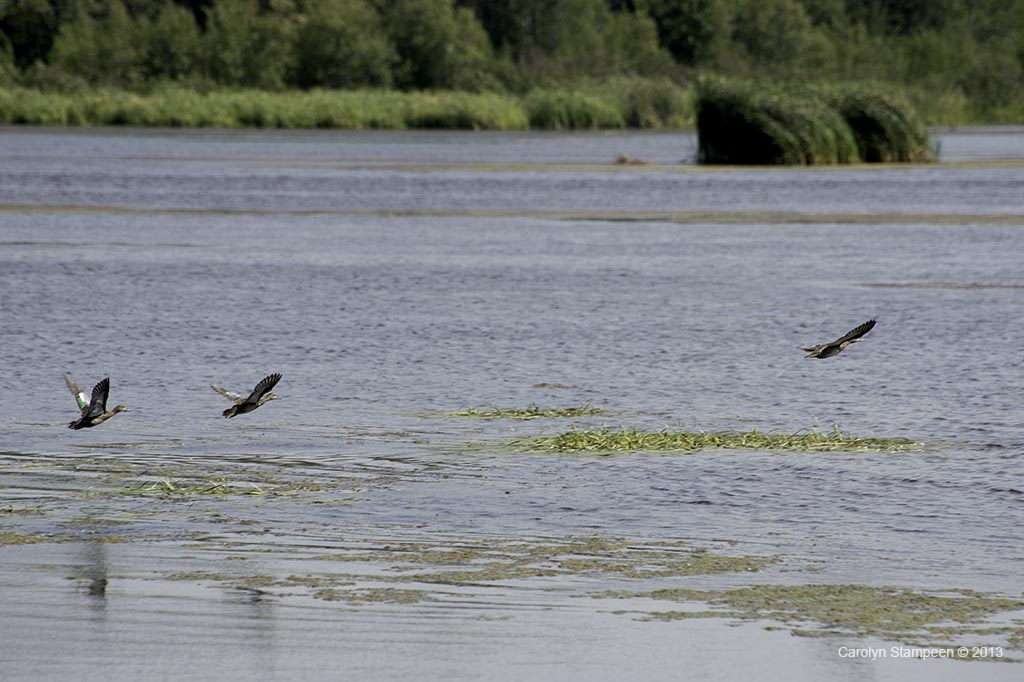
[
  {"x": 79, "y": 394},
  {"x": 856, "y": 332},
  {"x": 264, "y": 387},
  {"x": 98, "y": 404},
  {"x": 230, "y": 395}
]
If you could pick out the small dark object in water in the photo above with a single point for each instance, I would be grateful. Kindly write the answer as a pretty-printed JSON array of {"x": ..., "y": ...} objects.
[
  {"x": 627, "y": 160},
  {"x": 242, "y": 404},
  {"x": 827, "y": 350},
  {"x": 95, "y": 411}
]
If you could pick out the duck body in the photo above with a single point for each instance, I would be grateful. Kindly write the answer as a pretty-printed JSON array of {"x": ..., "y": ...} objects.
[{"x": 259, "y": 396}]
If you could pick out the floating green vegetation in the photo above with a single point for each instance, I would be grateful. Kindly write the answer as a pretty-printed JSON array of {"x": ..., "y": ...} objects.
[
  {"x": 899, "y": 614},
  {"x": 184, "y": 488},
  {"x": 606, "y": 440},
  {"x": 487, "y": 561},
  {"x": 10, "y": 538},
  {"x": 743, "y": 122},
  {"x": 531, "y": 412},
  {"x": 379, "y": 595}
]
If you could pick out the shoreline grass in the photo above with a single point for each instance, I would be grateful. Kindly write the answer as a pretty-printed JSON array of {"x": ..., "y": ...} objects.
[
  {"x": 615, "y": 104},
  {"x": 605, "y": 440}
]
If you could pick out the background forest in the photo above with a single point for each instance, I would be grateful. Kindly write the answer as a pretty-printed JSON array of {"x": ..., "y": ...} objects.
[{"x": 968, "y": 54}]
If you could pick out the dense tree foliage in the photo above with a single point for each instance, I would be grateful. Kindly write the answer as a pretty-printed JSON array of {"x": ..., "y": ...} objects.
[{"x": 971, "y": 49}]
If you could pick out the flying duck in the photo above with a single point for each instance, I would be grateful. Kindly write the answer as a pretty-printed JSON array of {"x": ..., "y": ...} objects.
[
  {"x": 827, "y": 350},
  {"x": 242, "y": 404},
  {"x": 93, "y": 412}
]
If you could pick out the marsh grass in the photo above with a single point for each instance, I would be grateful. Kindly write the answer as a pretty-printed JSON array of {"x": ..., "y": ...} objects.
[
  {"x": 610, "y": 441},
  {"x": 623, "y": 102},
  {"x": 175, "y": 106},
  {"x": 743, "y": 122},
  {"x": 882, "y": 123},
  {"x": 530, "y": 412}
]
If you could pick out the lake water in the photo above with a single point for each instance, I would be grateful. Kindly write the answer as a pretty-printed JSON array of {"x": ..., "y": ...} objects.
[{"x": 393, "y": 276}]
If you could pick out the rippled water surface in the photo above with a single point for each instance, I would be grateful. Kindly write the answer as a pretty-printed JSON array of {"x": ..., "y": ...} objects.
[{"x": 391, "y": 277}]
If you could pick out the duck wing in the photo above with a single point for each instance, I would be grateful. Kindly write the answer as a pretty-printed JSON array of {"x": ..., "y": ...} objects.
[
  {"x": 79, "y": 394},
  {"x": 855, "y": 333},
  {"x": 262, "y": 388},
  {"x": 230, "y": 395},
  {"x": 98, "y": 404}
]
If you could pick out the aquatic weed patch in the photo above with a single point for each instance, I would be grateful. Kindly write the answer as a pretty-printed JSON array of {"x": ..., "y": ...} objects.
[
  {"x": 952, "y": 618},
  {"x": 414, "y": 572},
  {"x": 529, "y": 412},
  {"x": 189, "y": 482},
  {"x": 609, "y": 441},
  {"x": 373, "y": 595},
  {"x": 169, "y": 487},
  {"x": 486, "y": 561},
  {"x": 11, "y": 538}
]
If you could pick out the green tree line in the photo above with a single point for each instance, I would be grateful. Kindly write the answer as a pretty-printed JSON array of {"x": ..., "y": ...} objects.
[{"x": 968, "y": 49}]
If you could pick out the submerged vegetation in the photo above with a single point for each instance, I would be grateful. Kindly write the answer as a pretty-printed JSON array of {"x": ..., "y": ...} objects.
[
  {"x": 486, "y": 561},
  {"x": 935, "y": 618},
  {"x": 530, "y": 412},
  {"x": 606, "y": 440},
  {"x": 491, "y": 64}
]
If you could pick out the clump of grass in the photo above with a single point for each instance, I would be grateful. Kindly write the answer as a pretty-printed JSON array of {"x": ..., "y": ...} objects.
[
  {"x": 741, "y": 122},
  {"x": 882, "y": 124},
  {"x": 631, "y": 439},
  {"x": 182, "y": 488},
  {"x": 530, "y": 412}
]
